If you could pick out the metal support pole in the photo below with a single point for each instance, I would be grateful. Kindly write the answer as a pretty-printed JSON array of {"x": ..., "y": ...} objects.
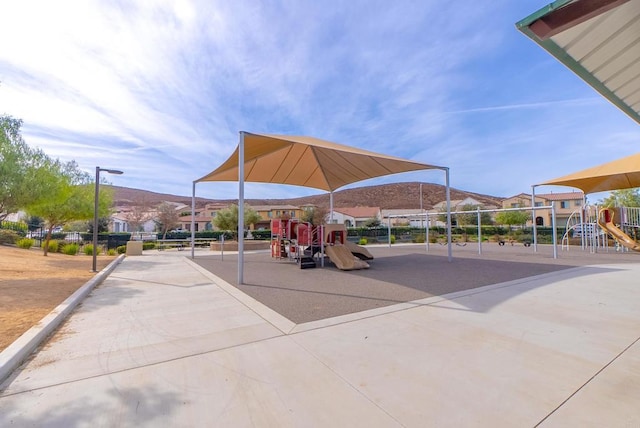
[
  {"x": 479, "y": 232},
  {"x": 421, "y": 207},
  {"x": 241, "y": 209},
  {"x": 448, "y": 214},
  {"x": 388, "y": 231},
  {"x": 193, "y": 220},
  {"x": 533, "y": 217},
  {"x": 331, "y": 207},
  {"x": 426, "y": 232},
  {"x": 95, "y": 219},
  {"x": 553, "y": 230},
  {"x": 321, "y": 229},
  {"x": 583, "y": 230}
]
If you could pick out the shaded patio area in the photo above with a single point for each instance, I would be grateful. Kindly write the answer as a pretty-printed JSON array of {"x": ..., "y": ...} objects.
[{"x": 397, "y": 275}]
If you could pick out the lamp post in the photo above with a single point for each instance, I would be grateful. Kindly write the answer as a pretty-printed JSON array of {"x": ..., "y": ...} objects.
[{"x": 95, "y": 211}]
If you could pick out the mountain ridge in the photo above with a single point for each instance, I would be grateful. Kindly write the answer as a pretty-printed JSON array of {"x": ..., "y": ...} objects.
[{"x": 404, "y": 195}]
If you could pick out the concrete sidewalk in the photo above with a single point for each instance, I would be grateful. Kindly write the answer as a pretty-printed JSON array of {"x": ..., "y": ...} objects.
[{"x": 163, "y": 342}]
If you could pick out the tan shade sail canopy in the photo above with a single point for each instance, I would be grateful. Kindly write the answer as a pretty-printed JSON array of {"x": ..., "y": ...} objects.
[
  {"x": 308, "y": 162},
  {"x": 619, "y": 174}
]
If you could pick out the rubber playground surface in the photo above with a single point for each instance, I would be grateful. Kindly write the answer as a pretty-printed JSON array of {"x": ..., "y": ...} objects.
[{"x": 398, "y": 274}]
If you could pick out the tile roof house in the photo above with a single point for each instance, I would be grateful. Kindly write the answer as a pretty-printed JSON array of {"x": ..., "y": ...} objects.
[
  {"x": 564, "y": 204},
  {"x": 404, "y": 217},
  {"x": 355, "y": 216}
]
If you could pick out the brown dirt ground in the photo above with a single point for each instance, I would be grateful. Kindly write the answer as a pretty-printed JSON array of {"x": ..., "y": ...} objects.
[{"x": 32, "y": 285}]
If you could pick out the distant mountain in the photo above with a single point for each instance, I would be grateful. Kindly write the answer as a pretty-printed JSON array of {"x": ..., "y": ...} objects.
[
  {"x": 128, "y": 196},
  {"x": 385, "y": 196}
]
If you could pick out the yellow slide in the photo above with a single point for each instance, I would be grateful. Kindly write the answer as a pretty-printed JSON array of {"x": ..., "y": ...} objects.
[
  {"x": 605, "y": 221},
  {"x": 343, "y": 259},
  {"x": 358, "y": 250}
]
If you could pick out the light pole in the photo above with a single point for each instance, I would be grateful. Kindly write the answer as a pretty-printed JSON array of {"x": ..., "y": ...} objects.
[{"x": 95, "y": 211}]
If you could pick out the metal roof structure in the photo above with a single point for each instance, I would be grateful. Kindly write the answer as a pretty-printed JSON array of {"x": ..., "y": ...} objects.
[{"x": 599, "y": 40}]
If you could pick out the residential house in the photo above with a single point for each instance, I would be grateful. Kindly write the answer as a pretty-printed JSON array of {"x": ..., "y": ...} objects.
[
  {"x": 564, "y": 205},
  {"x": 458, "y": 205},
  {"x": 119, "y": 220},
  {"x": 355, "y": 216},
  {"x": 404, "y": 217},
  {"x": 269, "y": 212},
  {"x": 203, "y": 217}
]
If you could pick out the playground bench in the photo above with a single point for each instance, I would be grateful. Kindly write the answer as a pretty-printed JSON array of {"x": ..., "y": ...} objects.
[{"x": 181, "y": 244}]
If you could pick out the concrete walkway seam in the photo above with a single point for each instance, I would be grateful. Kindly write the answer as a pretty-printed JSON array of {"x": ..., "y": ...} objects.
[{"x": 21, "y": 348}]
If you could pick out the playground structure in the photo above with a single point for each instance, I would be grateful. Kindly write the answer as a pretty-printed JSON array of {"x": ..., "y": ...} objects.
[
  {"x": 301, "y": 242},
  {"x": 593, "y": 225},
  {"x": 478, "y": 212},
  {"x": 294, "y": 240},
  {"x": 583, "y": 224},
  {"x": 303, "y": 161},
  {"x": 605, "y": 221}
]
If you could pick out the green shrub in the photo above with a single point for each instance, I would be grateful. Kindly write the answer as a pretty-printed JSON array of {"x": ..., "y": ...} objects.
[
  {"x": 54, "y": 246},
  {"x": 121, "y": 249},
  {"x": 88, "y": 249},
  {"x": 25, "y": 243},
  {"x": 392, "y": 238},
  {"x": 112, "y": 252},
  {"x": 363, "y": 241},
  {"x": 8, "y": 236},
  {"x": 70, "y": 249},
  {"x": 148, "y": 245}
]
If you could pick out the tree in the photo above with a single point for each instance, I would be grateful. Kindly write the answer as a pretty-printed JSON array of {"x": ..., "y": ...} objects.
[
  {"x": 138, "y": 215},
  {"x": 19, "y": 168},
  {"x": 372, "y": 222},
  {"x": 471, "y": 218},
  {"x": 33, "y": 222},
  {"x": 103, "y": 225},
  {"x": 511, "y": 218},
  {"x": 227, "y": 218},
  {"x": 467, "y": 219},
  {"x": 67, "y": 195},
  {"x": 623, "y": 198},
  {"x": 167, "y": 218},
  {"x": 314, "y": 215}
]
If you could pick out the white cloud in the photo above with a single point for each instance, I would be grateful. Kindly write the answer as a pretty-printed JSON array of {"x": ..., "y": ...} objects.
[{"x": 161, "y": 89}]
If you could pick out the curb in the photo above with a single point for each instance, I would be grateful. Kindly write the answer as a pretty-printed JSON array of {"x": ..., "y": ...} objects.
[{"x": 12, "y": 356}]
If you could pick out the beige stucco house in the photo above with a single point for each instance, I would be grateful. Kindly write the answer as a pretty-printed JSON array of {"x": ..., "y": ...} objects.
[{"x": 564, "y": 205}]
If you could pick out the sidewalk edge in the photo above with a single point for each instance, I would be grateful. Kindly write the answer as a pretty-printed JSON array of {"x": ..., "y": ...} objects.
[{"x": 12, "y": 356}]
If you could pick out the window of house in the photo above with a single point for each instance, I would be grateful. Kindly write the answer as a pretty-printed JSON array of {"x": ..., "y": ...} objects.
[
  {"x": 515, "y": 205},
  {"x": 577, "y": 203},
  {"x": 538, "y": 204},
  {"x": 564, "y": 204}
]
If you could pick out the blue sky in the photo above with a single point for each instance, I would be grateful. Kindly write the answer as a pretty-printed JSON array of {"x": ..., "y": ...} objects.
[{"x": 161, "y": 89}]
